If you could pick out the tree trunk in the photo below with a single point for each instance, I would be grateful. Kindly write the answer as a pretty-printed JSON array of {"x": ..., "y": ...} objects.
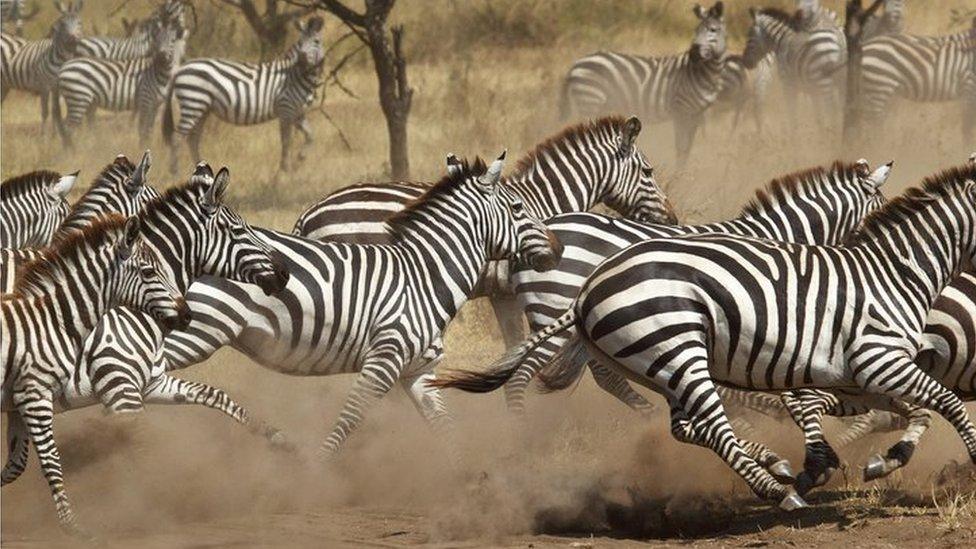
[{"x": 395, "y": 94}]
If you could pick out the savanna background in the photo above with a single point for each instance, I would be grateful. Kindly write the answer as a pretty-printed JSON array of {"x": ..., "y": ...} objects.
[{"x": 581, "y": 469}]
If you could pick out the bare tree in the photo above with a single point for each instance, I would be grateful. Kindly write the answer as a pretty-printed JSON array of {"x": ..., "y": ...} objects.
[
  {"x": 391, "y": 71},
  {"x": 854, "y": 21},
  {"x": 271, "y": 25}
]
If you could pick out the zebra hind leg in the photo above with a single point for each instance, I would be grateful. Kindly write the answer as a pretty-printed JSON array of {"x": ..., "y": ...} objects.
[
  {"x": 617, "y": 385},
  {"x": 518, "y": 384},
  {"x": 18, "y": 448},
  {"x": 166, "y": 389},
  {"x": 918, "y": 421},
  {"x": 780, "y": 468}
]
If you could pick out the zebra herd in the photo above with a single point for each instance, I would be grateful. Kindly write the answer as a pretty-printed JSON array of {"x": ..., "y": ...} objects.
[{"x": 820, "y": 298}]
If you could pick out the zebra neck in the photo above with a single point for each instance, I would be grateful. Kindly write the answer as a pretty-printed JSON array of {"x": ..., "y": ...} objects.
[
  {"x": 74, "y": 311},
  {"x": 447, "y": 268},
  {"x": 546, "y": 193}
]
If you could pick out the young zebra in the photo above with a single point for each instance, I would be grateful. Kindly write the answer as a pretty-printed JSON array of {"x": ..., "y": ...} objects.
[
  {"x": 247, "y": 94},
  {"x": 376, "y": 310},
  {"x": 589, "y": 163},
  {"x": 119, "y": 188},
  {"x": 32, "y": 207},
  {"x": 139, "y": 85},
  {"x": 677, "y": 87},
  {"x": 194, "y": 234},
  {"x": 814, "y": 206},
  {"x": 683, "y": 314},
  {"x": 33, "y": 66},
  {"x": 808, "y": 58},
  {"x": 919, "y": 69},
  {"x": 58, "y": 300},
  {"x": 140, "y": 43}
]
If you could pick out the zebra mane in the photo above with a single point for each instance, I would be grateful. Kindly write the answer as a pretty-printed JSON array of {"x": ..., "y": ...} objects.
[
  {"x": 791, "y": 185},
  {"x": 569, "y": 134},
  {"x": 121, "y": 165},
  {"x": 22, "y": 184},
  {"x": 400, "y": 222},
  {"x": 791, "y": 20},
  {"x": 169, "y": 195},
  {"x": 913, "y": 200},
  {"x": 35, "y": 276}
]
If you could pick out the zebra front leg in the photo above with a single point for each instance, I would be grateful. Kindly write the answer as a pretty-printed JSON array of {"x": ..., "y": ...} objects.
[
  {"x": 166, "y": 389},
  {"x": 381, "y": 369},
  {"x": 36, "y": 408},
  {"x": 18, "y": 449},
  {"x": 807, "y": 409},
  {"x": 685, "y": 128},
  {"x": 897, "y": 376},
  {"x": 285, "y": 131},
  {"x": 617, "y": 385},
  {"x": 45, "y": 103},
  {"x": 306, "y": 130}
]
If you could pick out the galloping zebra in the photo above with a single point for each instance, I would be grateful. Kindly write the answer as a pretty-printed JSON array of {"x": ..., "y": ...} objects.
[
  {"x": 815, "y": 206},
  {"x": 33, "y": 66},
  {"x": 246, "y": 94},
  {"x": 119, "y": 188},
  {"x": 58, "y": 300},
  {"x": 140, "y": 85},
  {"x": 195, "y": 234},
  {"x": 140, "y": 43},
  {"x": 920, "y": 69},
  {"x": 585, "y": 164},
  {"x": 677, "y": 87},
  {"x": 679, "y": 315},
  {"x": 807, "y": 59},
  {"x": 32, "y": 207},
  {"x": 376, "y": 310},
  {"x": 15, "y": 12}
]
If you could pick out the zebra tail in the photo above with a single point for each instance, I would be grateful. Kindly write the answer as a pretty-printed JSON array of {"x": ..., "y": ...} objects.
[
  {"x": 566, "y": 367},
  {"x": 504, "y": 368},
  {"x": 168, "y": 118}
]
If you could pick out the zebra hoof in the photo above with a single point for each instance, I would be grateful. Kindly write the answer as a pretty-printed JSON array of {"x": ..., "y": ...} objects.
[
  {"x": 782, "y": 472},
  {"x": 793, "y": 502},
  {"x": 877, "y": 467}
]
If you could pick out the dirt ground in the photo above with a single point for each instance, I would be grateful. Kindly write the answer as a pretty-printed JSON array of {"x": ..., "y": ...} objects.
[{"x": 580, "y": 471}]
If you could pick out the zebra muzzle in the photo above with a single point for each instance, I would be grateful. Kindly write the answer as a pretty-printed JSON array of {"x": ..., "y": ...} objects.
[{"x": 181, "y": 319}]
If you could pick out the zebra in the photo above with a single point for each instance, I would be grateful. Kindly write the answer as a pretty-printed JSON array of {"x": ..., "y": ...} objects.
[
  {"x": 679, "y": 315},
  {"x": 919, "y": 70},
  {"x": 376, "y": 310},
  {"x": 808, "y": 58},
  {"x": 119, "y": 188},
  {"x": 677, "y": 87},
  {"x": 57, "y": 301},
  {"x": 140, "y": 85},
  {"x": 32, "y": 207},
  {"x": 247, "y": 94},
  {"x": 744, "y": 87},
  {"x": 138, "y": 44},
  {"x": 819, "y": 205},
  {"x": 33, "y": 66},
  {"x": 194, "y": 234},
  {"x": 593, "y": 162},
  {"x": 15, "y": 12}
]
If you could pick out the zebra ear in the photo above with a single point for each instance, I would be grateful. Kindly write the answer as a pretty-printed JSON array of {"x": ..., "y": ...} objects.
[
  {"x": 130, "y": 235},
  {"x": 879, "y": 176},
  {"x": 699, "y": 11},
  {"x": 138, "y": 180},
  {"x": 215, "y": 193},
  {"x": 972, "y": 158},
  {"x": 717, "y": 10},
  {"x": 489, "y": 181},
  {"x": 61, "y": 187},
  {"x": 753, "y": 12},
  {"x": 58, "y": 5},
  {"x": 629, "y": 133},
  {"x": 453, "y": 164}
]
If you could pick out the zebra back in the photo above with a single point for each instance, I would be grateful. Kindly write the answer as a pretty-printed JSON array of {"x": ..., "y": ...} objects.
[
  {"x": 34, "y": 65},
  {"x": 32, "y": 207}
]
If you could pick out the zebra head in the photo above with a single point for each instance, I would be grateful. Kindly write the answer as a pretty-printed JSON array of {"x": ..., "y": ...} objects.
[
  {"x": 167, "y": 46},
  {"x": 136, "y": 186},
  {"x": 66, "y": 31},
  {"x": 709, "y": 42},
  {"x": 141, "y": 283},
  {"x": 769, "y": 26},
  {"x": 632, "y": 190},
  {"x": 520, "y": 235},
  {"x": 309, "y": 50},
  {"x": 229, "y": 245}
]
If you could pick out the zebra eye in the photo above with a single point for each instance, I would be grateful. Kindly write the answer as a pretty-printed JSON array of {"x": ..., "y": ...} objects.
[{"x": 147, "y": 271}]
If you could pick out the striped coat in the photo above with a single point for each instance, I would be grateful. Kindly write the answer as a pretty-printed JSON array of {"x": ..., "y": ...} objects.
[{"x": 32, "y": 207}]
